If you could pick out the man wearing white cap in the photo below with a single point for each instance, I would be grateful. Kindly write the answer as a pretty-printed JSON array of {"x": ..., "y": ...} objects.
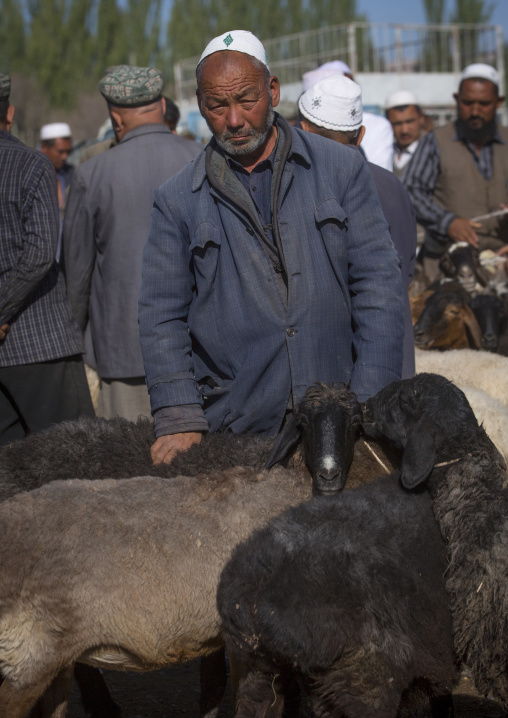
[
  {"x": 333, "y": 108},
  {"x": 406, "y": 118},
  {"x": 377, "y": 144},
  {"x": 460, "y": 172},
  {"x": 269, "y": 266},
  {"x": 56, "y": 144}
]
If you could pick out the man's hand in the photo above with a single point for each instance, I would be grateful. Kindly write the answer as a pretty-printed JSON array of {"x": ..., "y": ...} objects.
[
  {"x": 4, "y": 330},
  {"x": 463, "y": 230},
  {"x": 167, "y": 447}
]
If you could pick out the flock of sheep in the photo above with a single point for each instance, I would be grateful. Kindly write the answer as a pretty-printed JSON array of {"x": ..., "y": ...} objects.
[{"x": 331, "y": 603}]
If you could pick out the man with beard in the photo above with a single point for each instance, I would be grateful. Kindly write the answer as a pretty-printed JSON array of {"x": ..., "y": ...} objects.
[
  {"x": 269, "y": 266},
  {"x": 460, "y": 172}
]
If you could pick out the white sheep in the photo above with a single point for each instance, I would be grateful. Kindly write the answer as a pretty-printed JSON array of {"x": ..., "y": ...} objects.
[{"x": 467, "y": 367}]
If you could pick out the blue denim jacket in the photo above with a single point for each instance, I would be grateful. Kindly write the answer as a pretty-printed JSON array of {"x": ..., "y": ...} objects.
[{"x": 216, "y": 326}]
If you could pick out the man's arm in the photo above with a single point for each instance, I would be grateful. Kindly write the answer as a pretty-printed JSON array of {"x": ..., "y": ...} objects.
[
  {"x": 40, "y": 224},
  {"x": 420, "y": 181},
  {"x": 376, "y": 288},
  {"x": 165, "y": 298},
  {"x": 79, "y": 247}
]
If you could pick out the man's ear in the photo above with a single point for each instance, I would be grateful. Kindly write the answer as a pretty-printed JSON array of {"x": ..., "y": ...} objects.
[
  {"x": 360, "y": 136},
  {"x": 275, "y": 90},
  {"x": 10, "y": 117}
]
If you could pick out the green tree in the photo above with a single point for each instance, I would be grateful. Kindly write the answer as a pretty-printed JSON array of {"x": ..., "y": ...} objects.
[
  {"x": 12, "y": 37},
  {"x": 472, "y": 11},
  {"x": 434, "y": 11}
]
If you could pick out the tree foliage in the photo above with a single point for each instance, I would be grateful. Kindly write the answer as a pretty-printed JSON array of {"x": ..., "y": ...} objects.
[
  {"x": 66, "y": 45},
  {"x": 195, "y": 22}
]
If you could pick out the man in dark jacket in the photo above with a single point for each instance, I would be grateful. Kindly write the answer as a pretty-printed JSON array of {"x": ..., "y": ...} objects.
[
  {"x": 339, "y": 97},
  {"x": 269, "y": 266},
  {"x": 42, "y": 378},
  {"x": 106, "y": 224}
]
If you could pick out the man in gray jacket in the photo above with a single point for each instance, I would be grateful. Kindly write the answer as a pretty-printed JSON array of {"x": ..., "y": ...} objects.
[{"x": 106, "y": 224}]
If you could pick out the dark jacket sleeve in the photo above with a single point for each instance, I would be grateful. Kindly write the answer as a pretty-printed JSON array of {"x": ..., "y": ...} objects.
[{"x": 40, "y": 223}]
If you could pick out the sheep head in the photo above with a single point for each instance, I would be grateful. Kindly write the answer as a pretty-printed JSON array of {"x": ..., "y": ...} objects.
[
  {"x": 491, "y": 315},
  {"x": 447, "y": 321},
  {"x": 462, "y": 262},
  {"x": 327, "y": 422},
  {"x": 430, "y": 420}
]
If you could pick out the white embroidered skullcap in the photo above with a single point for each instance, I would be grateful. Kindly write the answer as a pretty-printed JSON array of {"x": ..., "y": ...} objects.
[
  {"x": 329, "y": 69},
  {"x": 239, "y": 41},
  {"x": 479, "y": 69},
  {"x": 400, "y": 99},
  {"x": 334, "y": 103},
  {"x": 55, "y": 130}
]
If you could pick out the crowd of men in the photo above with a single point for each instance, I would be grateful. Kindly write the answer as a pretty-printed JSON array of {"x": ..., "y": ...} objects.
[{"x": 210, "y": 286}]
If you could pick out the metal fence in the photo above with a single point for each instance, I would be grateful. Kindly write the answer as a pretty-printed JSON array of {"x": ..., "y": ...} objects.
[{"x": 372, "y": 47}]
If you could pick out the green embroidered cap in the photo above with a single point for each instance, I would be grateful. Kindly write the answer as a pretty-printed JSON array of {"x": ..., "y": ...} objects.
[{"x": 129, "y": 86}]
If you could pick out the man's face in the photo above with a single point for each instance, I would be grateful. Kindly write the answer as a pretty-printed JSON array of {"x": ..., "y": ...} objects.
[
  {"x": 477, "y": 102},
  {"x": 236, "y": 102},
  {"x": 58, "y": 152},
  {"x": 406, "y": 124}
]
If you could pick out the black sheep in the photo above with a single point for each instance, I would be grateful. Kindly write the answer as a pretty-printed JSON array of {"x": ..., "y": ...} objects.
[
  {"x": 347, "y": 593},
  {"x": 430, "y": 419}
]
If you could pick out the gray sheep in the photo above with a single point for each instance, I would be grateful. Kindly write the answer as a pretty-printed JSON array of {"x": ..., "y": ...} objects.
[
  {"x": 430, "y": 420},
  {"x": 121, "y": 574}
]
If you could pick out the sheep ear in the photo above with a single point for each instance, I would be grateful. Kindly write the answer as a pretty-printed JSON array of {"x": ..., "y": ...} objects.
[
  {"x": 419, "y": 456},
  {"x": 472, "y": 327},
  {"x": 285, "y": 441}
]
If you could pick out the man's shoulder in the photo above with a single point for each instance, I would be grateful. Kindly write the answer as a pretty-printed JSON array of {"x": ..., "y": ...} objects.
[
  {"x": 385, "y": 180},
  {"x": 16, "y": 152},
  {"x": 323, "y": 151},
  {"x": 443, "y": 133}
]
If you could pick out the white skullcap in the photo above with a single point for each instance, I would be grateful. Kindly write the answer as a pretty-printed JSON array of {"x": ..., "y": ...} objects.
[
  {"x": 400, "y": 99},
  {"x": 239, "y": 41},
  {"x": 329, "y": 69},
  {"x": 334, "y": 103},
  {"x": 479, "y": 69},
  {"x": 55, "y": 130}
]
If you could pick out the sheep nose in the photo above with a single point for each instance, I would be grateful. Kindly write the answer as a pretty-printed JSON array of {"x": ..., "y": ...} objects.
[
  {"x": 328, "y": 474},
  {"x": 490, "y": 341}
]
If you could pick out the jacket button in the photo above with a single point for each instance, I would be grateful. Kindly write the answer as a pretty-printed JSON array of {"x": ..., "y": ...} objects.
[{"x": 290, "y": 331}]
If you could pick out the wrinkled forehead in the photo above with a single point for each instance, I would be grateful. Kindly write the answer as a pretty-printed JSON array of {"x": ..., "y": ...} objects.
[{"x": 228, "y": 68}]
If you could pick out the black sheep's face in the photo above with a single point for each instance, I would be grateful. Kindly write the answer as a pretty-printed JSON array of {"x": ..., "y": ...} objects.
[
  {"x": 427, "y": 402},
  {"x": 329, "y": 438},
  {"x": 384, "y": 415}
]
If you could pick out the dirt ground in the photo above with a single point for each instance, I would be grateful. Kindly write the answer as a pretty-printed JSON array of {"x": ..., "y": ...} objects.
[{"x": 174, "y": 693}]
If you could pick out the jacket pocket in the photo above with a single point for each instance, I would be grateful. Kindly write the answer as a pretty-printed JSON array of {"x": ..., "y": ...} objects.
[
  {"x": 205, "y": 248},
  {"x": 331, "y": 221}
]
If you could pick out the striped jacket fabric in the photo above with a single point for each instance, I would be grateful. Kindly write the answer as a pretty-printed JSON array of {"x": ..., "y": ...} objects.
[{"x": 33, "y": 298}]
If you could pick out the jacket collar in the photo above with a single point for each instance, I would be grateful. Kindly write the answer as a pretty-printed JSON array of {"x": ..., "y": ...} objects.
[
  {"x": 298, "y": 147},
  {"x": 145, "y": 130}
]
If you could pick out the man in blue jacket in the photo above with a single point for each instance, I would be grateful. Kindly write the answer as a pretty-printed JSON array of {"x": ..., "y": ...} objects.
[
  {"x": 269, "y": 266},
  {"x": 339, "y": 98}
]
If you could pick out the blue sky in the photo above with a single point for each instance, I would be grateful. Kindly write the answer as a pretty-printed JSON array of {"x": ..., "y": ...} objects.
[{"x": 412, "y": 11}]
